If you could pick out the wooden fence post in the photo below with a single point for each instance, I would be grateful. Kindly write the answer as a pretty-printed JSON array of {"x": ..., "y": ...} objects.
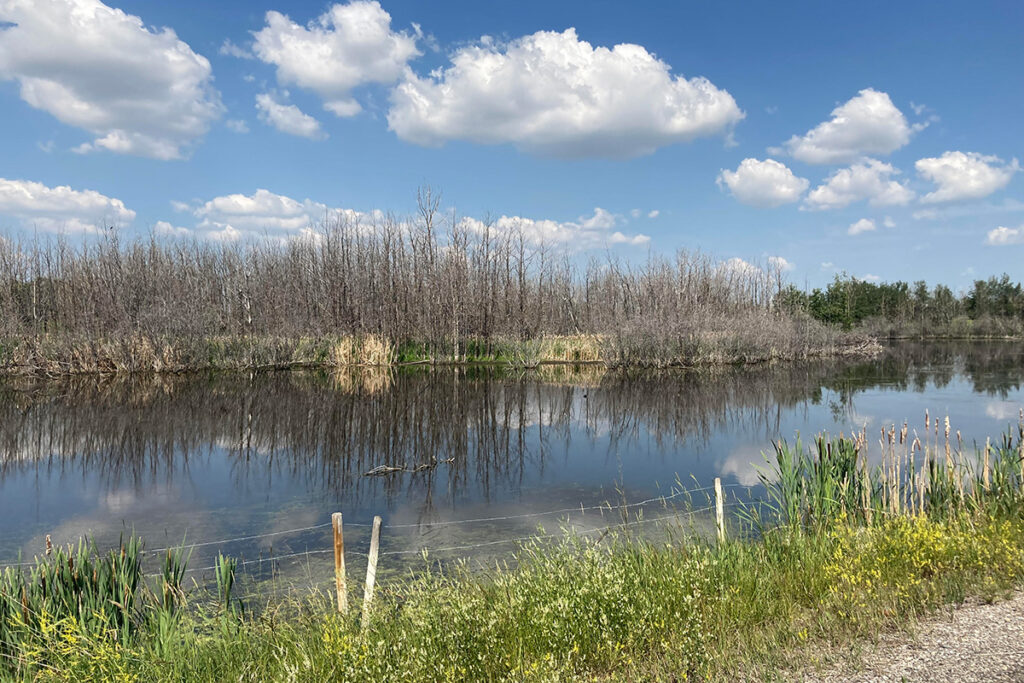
[
  {"x": 719, "y": 510},
  {"x": 371, "y": 571},
  {"x": 340, "y": 586}
]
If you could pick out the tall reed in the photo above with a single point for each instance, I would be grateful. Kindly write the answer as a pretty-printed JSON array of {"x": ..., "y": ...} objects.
[{"x": 833, "y": 482}]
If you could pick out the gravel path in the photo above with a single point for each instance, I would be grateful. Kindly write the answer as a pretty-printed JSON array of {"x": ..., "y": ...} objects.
[{"x": 974, "y": 643}]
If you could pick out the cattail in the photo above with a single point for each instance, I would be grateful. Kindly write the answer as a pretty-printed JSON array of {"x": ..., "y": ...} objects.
[
  {"x": 985, "y": 476},
  {"x": 949, "y": 456},
  {"x": 925, "y": 471}
]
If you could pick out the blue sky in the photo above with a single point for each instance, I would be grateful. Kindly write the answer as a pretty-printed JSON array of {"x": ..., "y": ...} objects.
[{"x": 880, "y": 139}]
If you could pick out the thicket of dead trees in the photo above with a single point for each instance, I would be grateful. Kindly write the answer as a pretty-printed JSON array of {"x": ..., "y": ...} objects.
[{"x": 432, "y": 281}]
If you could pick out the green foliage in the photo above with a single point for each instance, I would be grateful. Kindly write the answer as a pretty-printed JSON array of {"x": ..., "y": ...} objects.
[{"x": 993, "y": 307}]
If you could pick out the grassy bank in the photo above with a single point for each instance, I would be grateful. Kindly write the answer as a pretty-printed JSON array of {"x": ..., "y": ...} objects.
[
  {"x": 838, "y": 551},
  {"x": 744, "y": 344}
]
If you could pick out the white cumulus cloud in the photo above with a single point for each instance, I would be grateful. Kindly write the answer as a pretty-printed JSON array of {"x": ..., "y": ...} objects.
[
  {"x": 867, "y": 124},
  {"x": 166, "y": 229},
  {"x": 870, "y": 180},
  {"x": 863, "y": 225},
  {"x": 263, "y": 213},
  {"x": 1002, "y": 236},
  {"x": 763, "y": 183},
  {"x": 587, "y": 232},
  {"x": 553, "y": 94},
  {"x": 961, "y": 175},
  {"x": 347, "y": 46},
  {"x": 780, "y": 264},
  {"x": 288, "y": 118},
  {"x": 139, "y": 90},
  {"x": 60, "y": 209}
]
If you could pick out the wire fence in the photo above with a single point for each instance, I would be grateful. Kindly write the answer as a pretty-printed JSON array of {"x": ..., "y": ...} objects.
[{"x": 570, "y": 527}]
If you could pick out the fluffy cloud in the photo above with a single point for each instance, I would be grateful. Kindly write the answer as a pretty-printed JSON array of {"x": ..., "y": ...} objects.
[
  {"x": 738, "y": 266},
  {"x": 588, "y": 232},
  {"x": 863, "y": 225},
  {"x": 780, "y": 264},
  {"x": 1002, "y": 236},
  {"x": 763, "y": 183},
  {"x": 960, "y": 175},
  {"x": 266, "y": 214},
  {"x": 347, "y": 46},
  {"x": 552, "y": 94},
  {"x": 288, "y": 118},
  {"x": 869, "y": 179},
  {"x": 141, "y": 91},
  {"x": 263, "y": 214},
  {"x": 168, "y": 230},
  {"x": 868, "y": 124},
  {"x": 60, "y": 209}
]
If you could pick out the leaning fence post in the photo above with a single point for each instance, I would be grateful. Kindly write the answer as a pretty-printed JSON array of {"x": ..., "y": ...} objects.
[
  {"x": 719, "y": 511},
  {"x": 340, "y": 586},
  {"x": 371, "y": 571}
]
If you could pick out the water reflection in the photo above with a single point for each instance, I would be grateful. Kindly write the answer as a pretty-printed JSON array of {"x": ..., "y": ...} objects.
[{"x": 226, "y": 455}]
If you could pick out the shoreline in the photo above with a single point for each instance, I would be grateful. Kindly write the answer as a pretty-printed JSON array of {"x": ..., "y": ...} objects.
[{"x": 56, "y": 356}]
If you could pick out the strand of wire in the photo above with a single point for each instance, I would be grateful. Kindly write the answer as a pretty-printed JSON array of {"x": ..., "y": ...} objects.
[
  {"x": 476, "y": 545},
  {"x": 548, "y": 536},
  {"x": 478, "y": 520}
]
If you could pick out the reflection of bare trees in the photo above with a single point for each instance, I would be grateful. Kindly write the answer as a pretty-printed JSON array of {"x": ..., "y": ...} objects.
[{"x": 323, "y": 433}]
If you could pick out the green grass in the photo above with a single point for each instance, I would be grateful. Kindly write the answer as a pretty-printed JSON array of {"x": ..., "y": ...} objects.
[{"x": 838, "y": 553}]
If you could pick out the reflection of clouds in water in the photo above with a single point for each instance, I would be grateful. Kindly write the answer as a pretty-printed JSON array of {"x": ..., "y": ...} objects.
[
  {"x": 746, "y": 463},
  {"x": 1003, "y": 410},
  {"x": 118, "y": 501},
  {"x": 859, "y": 421}
]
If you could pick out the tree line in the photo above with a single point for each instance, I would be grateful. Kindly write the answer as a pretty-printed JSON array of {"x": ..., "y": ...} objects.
[{"x": 994, "y": 306}]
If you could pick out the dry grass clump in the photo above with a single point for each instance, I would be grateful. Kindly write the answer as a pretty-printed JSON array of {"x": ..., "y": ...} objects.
[
  {"x": 576, "y": 348},
  {"x": 368, "y": 350}
]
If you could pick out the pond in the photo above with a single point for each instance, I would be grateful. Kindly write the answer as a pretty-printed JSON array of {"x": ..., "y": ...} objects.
[{"x": 254, "y": 465}]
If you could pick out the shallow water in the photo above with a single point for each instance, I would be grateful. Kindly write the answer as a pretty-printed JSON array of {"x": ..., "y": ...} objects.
[{"x": 208, "y": 458}]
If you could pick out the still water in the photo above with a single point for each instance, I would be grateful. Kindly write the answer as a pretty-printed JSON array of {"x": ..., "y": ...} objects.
[{"x": 208, "y": 458}]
